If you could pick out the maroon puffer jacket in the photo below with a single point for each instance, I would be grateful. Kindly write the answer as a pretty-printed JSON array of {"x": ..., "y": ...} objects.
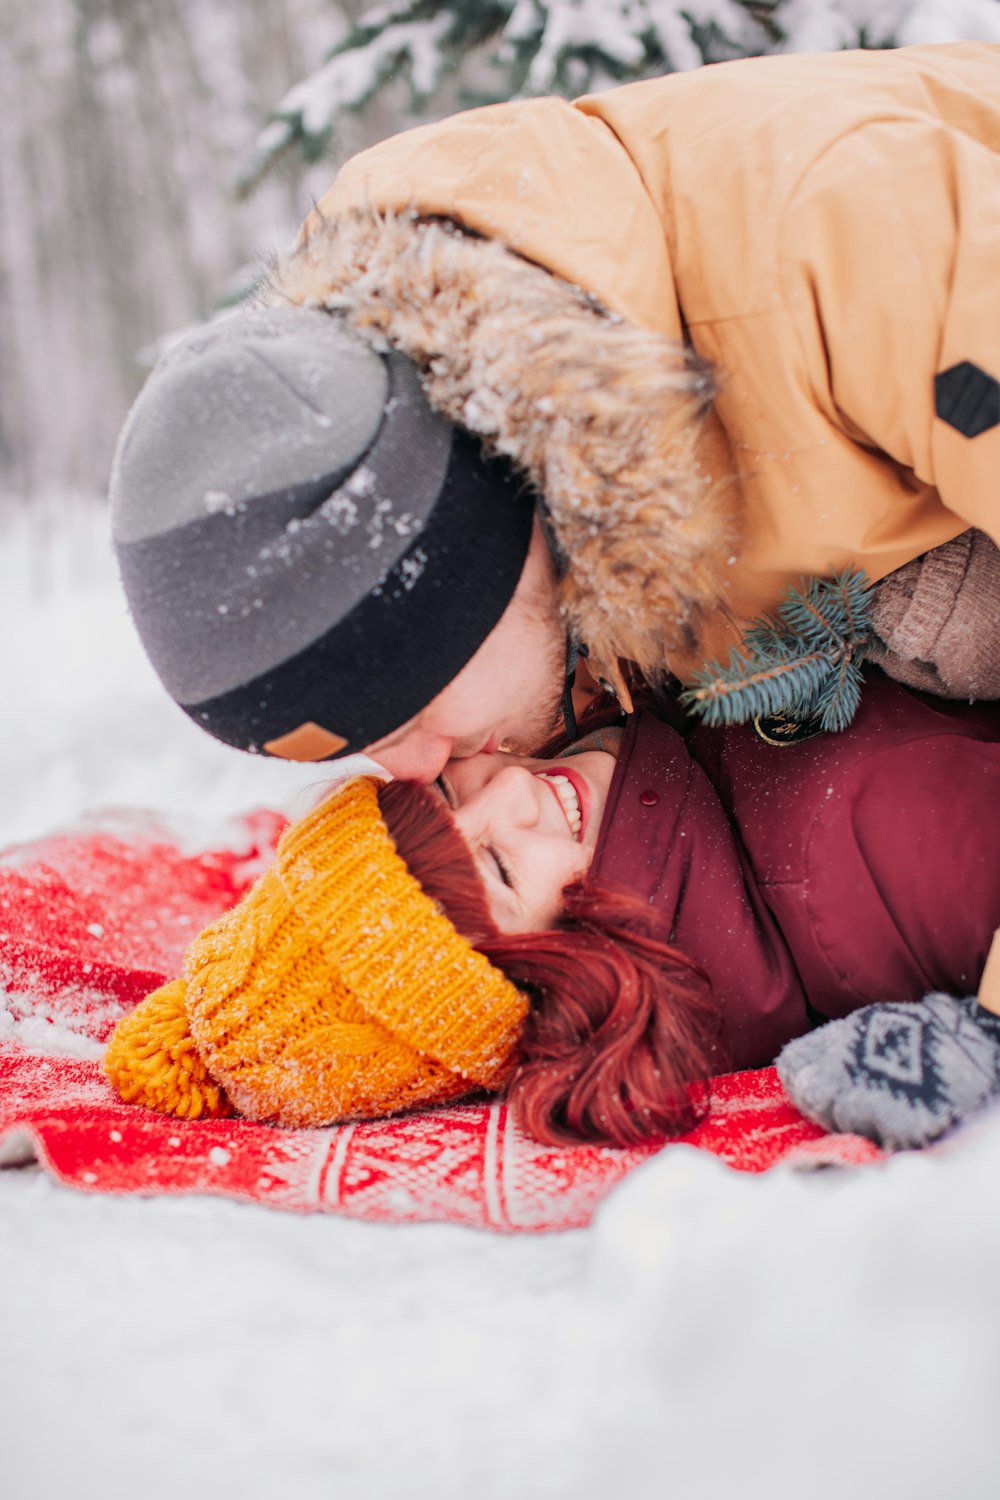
[{"x": 820, "y": 876}]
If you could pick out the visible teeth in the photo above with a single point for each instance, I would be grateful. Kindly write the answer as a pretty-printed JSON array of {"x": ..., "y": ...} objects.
[{"x": 570, "y": 801}]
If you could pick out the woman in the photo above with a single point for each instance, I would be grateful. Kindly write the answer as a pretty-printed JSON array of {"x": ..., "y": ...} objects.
[{"x": 672, "y": 907}]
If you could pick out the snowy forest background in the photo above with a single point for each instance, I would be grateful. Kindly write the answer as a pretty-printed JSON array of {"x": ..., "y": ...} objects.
[
  {"x": 152, "y": 150},
  {"x": 713, "y": 1335}
]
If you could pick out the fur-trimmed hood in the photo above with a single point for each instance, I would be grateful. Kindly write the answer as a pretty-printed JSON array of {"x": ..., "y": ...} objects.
[
  {"x": 605, "y": 418},
  {"x": 817, "y": 231}
]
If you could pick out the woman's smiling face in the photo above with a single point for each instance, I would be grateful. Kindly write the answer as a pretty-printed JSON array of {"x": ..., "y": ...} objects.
[{"x": 531, "y": 827}]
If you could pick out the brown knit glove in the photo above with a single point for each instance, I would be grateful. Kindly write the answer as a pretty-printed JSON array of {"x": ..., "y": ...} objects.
[{"x": 939, "y": 619}]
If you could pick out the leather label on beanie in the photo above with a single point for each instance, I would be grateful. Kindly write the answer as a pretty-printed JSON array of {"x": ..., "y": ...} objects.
[{"x": 309, "y": 742}]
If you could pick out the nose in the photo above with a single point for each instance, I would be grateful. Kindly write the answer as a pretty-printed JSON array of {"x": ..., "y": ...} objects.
[
  {"x": 467, "y": 774},
  {"x": 513, "y": 794},
  {"x": 417, "y": 757}
]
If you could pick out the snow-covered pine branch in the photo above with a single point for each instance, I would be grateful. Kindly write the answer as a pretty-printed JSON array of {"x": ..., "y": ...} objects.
[
  {"x": 418, "y": 39},
  {"x": 828, "y": 25},
  {"x": 573, "y": 46}
]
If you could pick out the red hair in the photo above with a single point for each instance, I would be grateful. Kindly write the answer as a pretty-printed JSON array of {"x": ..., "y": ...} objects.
[{"x": 623, "y": 1029}]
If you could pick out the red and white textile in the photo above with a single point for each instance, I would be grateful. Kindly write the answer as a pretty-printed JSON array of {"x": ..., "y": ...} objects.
[{"x": 93, "y": 919}]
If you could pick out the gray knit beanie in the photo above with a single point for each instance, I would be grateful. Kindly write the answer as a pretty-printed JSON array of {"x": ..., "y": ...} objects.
[{"x": 310, "y": 553}]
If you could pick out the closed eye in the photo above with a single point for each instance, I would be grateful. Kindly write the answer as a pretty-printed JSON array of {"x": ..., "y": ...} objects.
[
  {"x": 449, "y": 796},
  {"x": 503, "y": 869}
]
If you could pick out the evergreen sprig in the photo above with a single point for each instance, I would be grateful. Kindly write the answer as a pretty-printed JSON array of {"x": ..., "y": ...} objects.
[{"x": 802, "y": 661}]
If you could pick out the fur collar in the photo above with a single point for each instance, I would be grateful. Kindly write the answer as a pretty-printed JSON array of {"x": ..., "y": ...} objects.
[{"x": 606, "y": 418}]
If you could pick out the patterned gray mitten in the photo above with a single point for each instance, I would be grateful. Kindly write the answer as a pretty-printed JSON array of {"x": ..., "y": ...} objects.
[{"x": 901, "y": 1074}]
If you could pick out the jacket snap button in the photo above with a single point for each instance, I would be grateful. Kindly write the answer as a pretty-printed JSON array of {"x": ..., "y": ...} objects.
[{"x": 649, "y": 799}]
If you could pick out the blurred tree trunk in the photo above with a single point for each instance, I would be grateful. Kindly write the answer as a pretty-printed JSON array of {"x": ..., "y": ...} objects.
[{"x": 122, "y": 126}]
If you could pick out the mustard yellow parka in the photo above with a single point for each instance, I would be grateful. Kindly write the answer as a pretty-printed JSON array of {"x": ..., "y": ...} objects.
[{"x": 824, "y": 231}]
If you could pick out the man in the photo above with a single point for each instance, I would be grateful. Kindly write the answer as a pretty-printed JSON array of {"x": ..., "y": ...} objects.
[
  {"x": 735, "y": 327},
  {"x": 317, "y": 562}
]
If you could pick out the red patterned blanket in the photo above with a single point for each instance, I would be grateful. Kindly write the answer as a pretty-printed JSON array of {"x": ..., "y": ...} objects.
[{"x": 91, "y": 920}]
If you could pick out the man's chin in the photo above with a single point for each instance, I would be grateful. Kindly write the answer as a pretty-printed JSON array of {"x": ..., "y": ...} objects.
[{"x": 535, "y": 736}]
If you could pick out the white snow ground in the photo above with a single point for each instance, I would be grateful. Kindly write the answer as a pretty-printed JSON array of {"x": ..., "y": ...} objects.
[{"x": 712, "y": 1335}]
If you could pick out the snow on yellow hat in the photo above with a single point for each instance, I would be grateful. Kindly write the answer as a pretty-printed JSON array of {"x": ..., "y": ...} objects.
[{"x": 335, "y": 989}]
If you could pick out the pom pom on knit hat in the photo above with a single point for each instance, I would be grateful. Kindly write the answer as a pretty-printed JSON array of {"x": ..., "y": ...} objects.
[
  {"x": 153, "y": 1059},
  {"x": 336, "y": 989}
]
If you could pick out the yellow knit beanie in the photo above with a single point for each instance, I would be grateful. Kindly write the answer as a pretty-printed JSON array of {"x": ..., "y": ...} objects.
[{"x": 335, "y": 989}]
